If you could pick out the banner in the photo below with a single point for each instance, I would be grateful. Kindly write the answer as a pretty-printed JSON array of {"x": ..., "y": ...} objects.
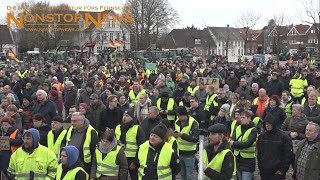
[
  {"x": 151, "y": 66},
  {"x": 208, "y": 81}
]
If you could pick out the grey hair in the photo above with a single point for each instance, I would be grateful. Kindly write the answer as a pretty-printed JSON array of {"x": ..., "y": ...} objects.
[
  {"x": 298, "y": 106},
  {"x": 80, "y": 115},
  {"x": 155, "y": 109},
  {"x": 313, "y": 94},
  {"x": 40, "y": 91},
  {"x": 69, "y": 83},
  {"x": 316, "y": 125}
]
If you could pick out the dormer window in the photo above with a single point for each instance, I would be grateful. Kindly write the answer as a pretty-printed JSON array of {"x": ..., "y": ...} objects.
[{"x": 197, "y": 41}]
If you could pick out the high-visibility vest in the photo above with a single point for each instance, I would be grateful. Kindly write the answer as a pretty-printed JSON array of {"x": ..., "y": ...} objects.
[
  {"x": 209, "y": 100},
  {"x": 192, "y": 90},
  {"x": 42, "y": 162},
  {"x": 233, "y": 126},
  {"x": 21, "y": 75},
  {"x": 170, "y": 106},
  {"x": 261, "y": 105},
  {"x": 71, "y": 174},
  {"x": 249, "y": 152},
  {"x": 184, "y": 145},
  {"x": 256, "y": 121},
  {"x": 304, "y": 99},
  {"x": 288, "y": 108},
  {"x": 107, "y": 166},
  {"x": 13, "y": 136},
  {"x": 297, "y": 86},
  {"x": 217, "y": 161},
  {"x": 163, "y": 167},
  {"x": 55, "y": 146},
  {"x": 131, "y": 140},
  {"x": 86, "y": 144},
  {"x": 134, "y": 98}
]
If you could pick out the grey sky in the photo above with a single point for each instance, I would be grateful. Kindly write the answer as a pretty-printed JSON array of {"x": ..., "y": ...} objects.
[{"x": 203, "y": 13}]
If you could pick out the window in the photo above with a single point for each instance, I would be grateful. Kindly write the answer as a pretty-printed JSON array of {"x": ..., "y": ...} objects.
[
  {"x": 313, "y": 31},
  {"x": 105, "y": 36},
  {"x": 98, "y": 36},
  {"x": 113, "y": 24},
  {"x": 309, "y": 40},
  {"x": 197, "y": 41},
  {"x": 111, "y": 36},
  {"x": 284, "y": 41},
  {"x": 316, "y": 41}
]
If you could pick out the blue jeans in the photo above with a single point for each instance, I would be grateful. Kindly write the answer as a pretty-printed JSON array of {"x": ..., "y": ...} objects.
[
  {"x": 244, "y": 175},
  {"x": 187, "y": 167}
]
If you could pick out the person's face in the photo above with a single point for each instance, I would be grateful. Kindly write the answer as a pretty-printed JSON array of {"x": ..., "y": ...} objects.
[
  {"x": 27, "y": 140},
  {"x": 6, "y": 126},
  {"x": 183, "y": 118},
  {"x": 312, "y": 101},
  {"x": 214, "y": 138},
  {"x": 142, "y": 99},
  {"x": 154, "y": 139},
  {"x": 222, "y": 113},
  {"x": 76, "y": 122},
  {"x": 113, "y": 102},
  {"x": 10, "y": 113},
  {"x": 155, "y": 92},
  {"x": 164, "y": 99},
  {"x": 272, "y": 102},
  {"x": 311, "y": 132},
  {"x": 55, "y": 125},
  {"x": 126, "y": 118},
  {"x": 262, "y": 94},
  {"x": 93, "y": 101},
  {"x": 41, "y": 97},
  {"x": 82, "y": 110},
  {"x": 310, "y": 90},
  {"x": 152, "y": 114},
  {"x": 193, "y": 103},
  {"x": 37, "y": 123},
  {"x": 6, "y": 89},
  {"x": 318, "y": 74},
  {"x": 295, "y": 111},
  {"x": 245, "y": 119},
  {"x": 136, "y": 85},
  {"x": 273, "y": 77},
  {"x": 243, "y": 82},
  {"x": 285, "y": 96},
  {"x": 89, "y": 89},
  {"x": 268, "y": 126},
  {"x": 237, "y": 117},
  {"x": 220, "y": 94},
  {"x": 122, "y": 99},
  {"x": 72, "y": 110},
  {"x": 254, "y": 88},
  {"x": 231, "y": 75},
  {"x": 63, "y": 157},
  {"x": 226, "y": 88}
]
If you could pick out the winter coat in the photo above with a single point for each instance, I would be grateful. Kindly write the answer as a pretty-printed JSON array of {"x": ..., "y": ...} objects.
[
  {"x": 47, "y": 109},
  {"x": 233, "y": 83},
  {"x": 148, "y": 124},
  {"x": 43, "y": 132},
  {"x": 69, "y": 97},
  {"x": 296, "y": 124},
  {"x": 200, "y": 116},
  {"x": 274, "y": 87},
  {"x": 59, "y": 104},
  {"x": 244, "y": 90},
  {"x": 94, "y": 113},
  {"x": 110, "y": 118},
  {"x": 312, "y": 114}
]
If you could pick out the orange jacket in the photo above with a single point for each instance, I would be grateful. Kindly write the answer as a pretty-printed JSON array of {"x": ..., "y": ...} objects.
[{"x": 261, "y": 105}]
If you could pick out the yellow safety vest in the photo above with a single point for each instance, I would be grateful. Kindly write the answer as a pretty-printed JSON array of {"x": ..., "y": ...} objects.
[
  {"x": 192, "y": 91},
  {"x": 209, "y": 101},
  {"x": 256, "y": 120},
  {"x": 288, "y": 108},
  {"x": 184, "y": 145},
  {"x": 217, "y": 161},
  {"x": 134, "y": 98},
  {"x": 303, "y": 101},
  {"x": 21, "y": 75},
  {"x": 42, "y": 161},
  {"x": 249, "y": 152},
  {"x": 297, "y": 86},
  {"x": 163, "y": 166},
  {"x": 131, "y": 140},
  {"x": 86, "y": 144},
  {"x": 71, "y": 174},
  {"x": 233, "y": 126},
  {"x": 107, "y": 166},
  {"x": 55, "y": 146},
  {"x": 170, "y": 106}
]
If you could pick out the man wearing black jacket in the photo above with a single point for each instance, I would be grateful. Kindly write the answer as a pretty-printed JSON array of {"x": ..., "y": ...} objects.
[
  {"x": 274, "y": 151},
  {"x": 218, "y": 148}
]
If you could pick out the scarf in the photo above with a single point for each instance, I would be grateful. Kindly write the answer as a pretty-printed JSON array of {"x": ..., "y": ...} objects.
[
  {"x": 107, "y": 149},
  {"x": 142, "y": 110}
]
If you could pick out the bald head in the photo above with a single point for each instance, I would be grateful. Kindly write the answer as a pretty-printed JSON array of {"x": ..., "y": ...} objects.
[{"x": 262, "y": 93}]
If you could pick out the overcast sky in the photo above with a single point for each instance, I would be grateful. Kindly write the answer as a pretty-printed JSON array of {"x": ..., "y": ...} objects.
[{"x": 203, "y": 13}]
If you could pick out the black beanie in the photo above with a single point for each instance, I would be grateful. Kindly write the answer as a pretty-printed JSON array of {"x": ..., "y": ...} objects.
[
  {"x": 130, "y": 112},
  {"x": 160, "y": 130}
]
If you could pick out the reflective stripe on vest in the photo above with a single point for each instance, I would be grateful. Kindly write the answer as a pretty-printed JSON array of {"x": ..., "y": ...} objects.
[
  {"x": 170, "y": 106},
  {"x": 233, "y": 126},
  {"x": 304, "y": 99},
  {"x": 192, "y": 91},
  {"x": 131, "y": 140},
  {"x": 71, "y": 174},
  {"x": 288, "y": 108},
  {"x": 21, "y": 75},
  {"x": 107, "y": 166},
  {"x": 55, "y": 146},
  {"x": 134, "y": 98},
  {"x": 256, "y": 121},
  {"x": 209, "y": 101},
  {"x": 217, "y": 161},
  {"x": 163, "y": 166},
  {"x": 13, "y": 136},
  {"x": 86, "y": 144},
  {"x": 249, "y": 152},
  {"x": 184, "y": 145}
]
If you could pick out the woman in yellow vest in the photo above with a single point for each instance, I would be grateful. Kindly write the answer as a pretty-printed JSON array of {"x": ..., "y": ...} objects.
[
  {"x": 244, "y": 145},
  {"x": 9, "y": 129},
  {"x": 219, "y": 161},
  {"x": 109, "y": 161},
  {"x": 70, "y": 167}
]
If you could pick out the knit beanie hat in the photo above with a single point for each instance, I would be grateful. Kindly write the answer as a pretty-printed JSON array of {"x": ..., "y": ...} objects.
[
  {"x": 160, "y": 130},
  {"x": 225, "y": 107},
  {"x": 84, "y": 106},
  {"x": 218, "y": 128},
  {"x": 57, "y": 119},
  {"x": 72, "y": 153},
  {"x": 130, "y": 112}
]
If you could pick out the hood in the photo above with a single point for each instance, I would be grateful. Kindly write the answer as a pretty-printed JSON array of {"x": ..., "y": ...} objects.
[
  {"x": 271, "y": 119},
  {"x": 35, "y": 136},
  {"x": 72, "y": 153}
]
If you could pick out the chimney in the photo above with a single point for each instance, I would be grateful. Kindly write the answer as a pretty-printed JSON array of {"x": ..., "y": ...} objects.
[{"x": 227, "y": 25}]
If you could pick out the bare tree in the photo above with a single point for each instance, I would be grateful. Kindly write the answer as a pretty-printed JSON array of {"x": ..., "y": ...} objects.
[
  {"x": 281, "y": 28},
  {"x": 152, "y": 18},
  {"x": 312, "y": 9},
  {"x": 248, "y": 20}
]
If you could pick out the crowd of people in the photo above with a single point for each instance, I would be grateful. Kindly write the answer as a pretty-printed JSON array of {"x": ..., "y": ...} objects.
[{"x": 118, "y": 120}]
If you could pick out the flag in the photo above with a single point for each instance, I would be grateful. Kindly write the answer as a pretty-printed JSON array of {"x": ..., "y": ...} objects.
[
  {"x": 117, "y": 42},
  {"x": 13, "y": 56},
  {"x": 111, "y": 43}
]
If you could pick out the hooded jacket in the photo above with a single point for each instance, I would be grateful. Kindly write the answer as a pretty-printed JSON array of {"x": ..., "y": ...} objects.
[
  {"x": 274, "y": 149},
  {"x": 94, "y": 113},
  {"x": 47, "y": 109},
  {"x": 110, "y": 118},
  {"x": 296, "y": 124},
  {"x": 148, "y": 124}
]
